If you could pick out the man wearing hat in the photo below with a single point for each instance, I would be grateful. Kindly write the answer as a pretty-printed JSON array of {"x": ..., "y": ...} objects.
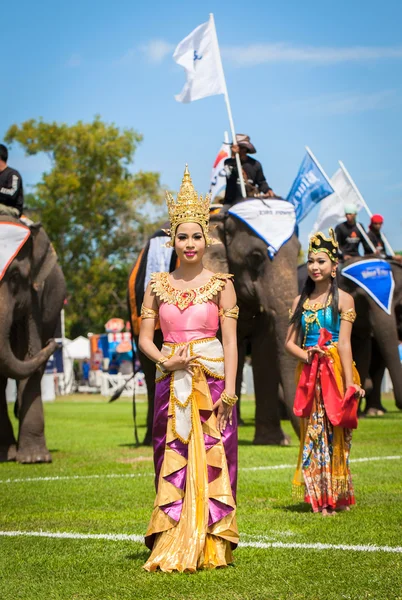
[
  {"x": 254, "y": 179},
  {"x": 375, "y": 236},
  {"x": 350, "y": 234}
]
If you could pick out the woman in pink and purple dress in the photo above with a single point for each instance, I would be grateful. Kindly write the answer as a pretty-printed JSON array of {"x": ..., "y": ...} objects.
[{"x": 193, "y": 524}]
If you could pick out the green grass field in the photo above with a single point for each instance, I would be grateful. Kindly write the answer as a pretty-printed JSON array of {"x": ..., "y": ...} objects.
[{"x": 89, "y": 437}]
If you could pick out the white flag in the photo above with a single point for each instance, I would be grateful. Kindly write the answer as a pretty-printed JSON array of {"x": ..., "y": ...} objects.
[
  {"x": 199, "y": 54},
  {"x": 332, "y": 208},
  {"x": 218, "y": 175}
]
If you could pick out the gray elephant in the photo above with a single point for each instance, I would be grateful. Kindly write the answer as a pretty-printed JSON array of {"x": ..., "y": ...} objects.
[
  {"x": 375, "y": 334},
  {"x": 32, "y": 293},
  {"x": 265, "y": 289}
]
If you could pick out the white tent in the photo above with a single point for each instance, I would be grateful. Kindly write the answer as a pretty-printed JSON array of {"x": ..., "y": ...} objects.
[{"x": 78, "y": 349}]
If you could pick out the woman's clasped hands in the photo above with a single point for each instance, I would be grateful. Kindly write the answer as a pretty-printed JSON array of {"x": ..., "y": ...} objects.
[{"x": 181, "y": 360}]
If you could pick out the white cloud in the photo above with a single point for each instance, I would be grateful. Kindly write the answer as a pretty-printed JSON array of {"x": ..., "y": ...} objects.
[
  {"x": 157, "y": 50},
  {"x": 343, "y": 103},
  {"x": 74, "y": 61},
  {"x": 256, "y": 54}
]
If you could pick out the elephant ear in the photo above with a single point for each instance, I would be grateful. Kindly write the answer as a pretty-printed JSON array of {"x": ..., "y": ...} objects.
[
  {"x": 217, "y": 227},
  {"x": 44, "y": 255}
]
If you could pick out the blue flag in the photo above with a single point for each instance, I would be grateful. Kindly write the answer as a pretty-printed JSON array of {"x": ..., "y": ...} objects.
[
  {"x": 375, "y": 277},
  {"x": 309, "y": 188}
]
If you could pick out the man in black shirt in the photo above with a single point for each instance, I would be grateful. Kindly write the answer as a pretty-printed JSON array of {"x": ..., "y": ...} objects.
[
  {"x": 11, "y": 191},
  {"x": 254, "y": 179},
  {"x": 349, "y": 235},
  {"x": 376, "y": 238}
]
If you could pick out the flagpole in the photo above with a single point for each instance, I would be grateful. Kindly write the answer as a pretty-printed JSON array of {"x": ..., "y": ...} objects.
[
  {"x": 360, "y": 228},
  {"x": 320, "y": 167},
  {"x": 228, "y": 107},
  {"x": 364, "y": 203}
]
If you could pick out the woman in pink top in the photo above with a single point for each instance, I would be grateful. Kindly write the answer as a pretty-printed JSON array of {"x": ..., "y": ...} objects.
[{"x": 193, "y": 524}]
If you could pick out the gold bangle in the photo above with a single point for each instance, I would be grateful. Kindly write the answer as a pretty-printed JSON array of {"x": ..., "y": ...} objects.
[
  {"x": 160, "y": 362},
  {"x": 230, "y": 400}
]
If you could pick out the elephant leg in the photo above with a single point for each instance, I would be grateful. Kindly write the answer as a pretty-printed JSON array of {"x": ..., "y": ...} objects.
[
  {"x": 377, "y": 370},
  {"x": 149, "y": 370},
  {"x": 8, "y": 444},
  {"x": 361, "y": 349},
  {"x": 241, "y": 349},
  {"x": 268, "y": 429},
  {"x": 31, "y": 437}
]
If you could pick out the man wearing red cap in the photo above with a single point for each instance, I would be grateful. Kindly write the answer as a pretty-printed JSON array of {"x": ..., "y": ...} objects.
[{"x": 375, "y": 236}]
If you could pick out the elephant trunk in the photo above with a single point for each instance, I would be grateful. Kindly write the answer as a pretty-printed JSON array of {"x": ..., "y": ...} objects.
[
  {"x": 10, "y": 365},
  {"x": 387, "y": 339}
]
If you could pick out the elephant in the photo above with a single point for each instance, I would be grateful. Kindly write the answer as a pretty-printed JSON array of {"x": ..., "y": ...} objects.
[
  {"x": 32, "y": 293},
  {"x": 375, "y": 334},
  {"x": 265, "y": 289}
]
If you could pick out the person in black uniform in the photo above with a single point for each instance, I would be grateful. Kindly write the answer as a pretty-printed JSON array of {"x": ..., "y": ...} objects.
[
  {"x": 376, "y": 238},
  {"x": 11, "y": 190},
  {"x": 254, "y": 178},
  {"x": 349, "y": 235}
]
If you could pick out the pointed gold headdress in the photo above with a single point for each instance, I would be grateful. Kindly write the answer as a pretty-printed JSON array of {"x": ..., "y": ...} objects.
[
  {"x": 319, "y": 243},
  {"x": 188, "y": 208}
]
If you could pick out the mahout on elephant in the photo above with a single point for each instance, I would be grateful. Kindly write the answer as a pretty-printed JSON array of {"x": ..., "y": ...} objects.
[
  {"x": 264, "y": 288},
  {"x": 32, "y": 292},
  {"x": 375, "y": 334}
]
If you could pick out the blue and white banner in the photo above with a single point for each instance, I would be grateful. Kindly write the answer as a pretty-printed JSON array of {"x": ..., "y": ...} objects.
[
  {"x": 376, "y": 278},
  {"x": 272, "y": 220},
  {"x": 309, "y": 188}
]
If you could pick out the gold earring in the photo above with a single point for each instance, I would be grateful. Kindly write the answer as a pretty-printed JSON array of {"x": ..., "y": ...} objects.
[{"x": 333, "y": 274}]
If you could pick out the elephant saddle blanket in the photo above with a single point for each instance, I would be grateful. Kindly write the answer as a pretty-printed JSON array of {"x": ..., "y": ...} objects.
[
  {"x": 273, "y": 220},
  {"x": 12, "y": 237}
]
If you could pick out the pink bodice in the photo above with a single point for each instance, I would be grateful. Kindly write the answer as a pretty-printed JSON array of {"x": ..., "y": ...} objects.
[{"x": 195, "y": 322}]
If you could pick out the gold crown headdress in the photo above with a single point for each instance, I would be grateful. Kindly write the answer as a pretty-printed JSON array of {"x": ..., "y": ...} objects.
[
  {"x": 319, "y": 243},
  {"x": 188, "y": 208}
]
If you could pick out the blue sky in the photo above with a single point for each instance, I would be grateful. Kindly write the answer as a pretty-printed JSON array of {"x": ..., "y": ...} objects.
[{"x": 326, "y": 75}]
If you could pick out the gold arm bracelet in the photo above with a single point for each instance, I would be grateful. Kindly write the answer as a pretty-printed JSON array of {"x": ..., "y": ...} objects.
[
  {"x": 148, "y": 313},
  {"x": 232, "y": 313},
  {"x": 160, "y": 362},
  {"x": 349, "y": 315},
  {"x": 230, "y": 400}
]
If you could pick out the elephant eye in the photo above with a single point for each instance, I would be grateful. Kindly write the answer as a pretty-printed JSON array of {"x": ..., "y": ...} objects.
[
  {"x": 14, "y": 280},
  {"x": 256, "y": 259}
]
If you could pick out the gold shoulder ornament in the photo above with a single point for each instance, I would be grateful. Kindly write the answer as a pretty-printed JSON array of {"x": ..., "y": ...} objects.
[
  {"x": 148, "y": 313},
  {"x": 232, "y": 313},
  {"x": 349, "y": 315}
]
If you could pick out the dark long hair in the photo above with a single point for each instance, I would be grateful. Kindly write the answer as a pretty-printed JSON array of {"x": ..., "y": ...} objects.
[{"x": 307, "y": 290}]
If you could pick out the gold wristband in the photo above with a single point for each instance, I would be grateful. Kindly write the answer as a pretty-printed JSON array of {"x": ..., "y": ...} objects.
[
  {"x": 160, "y": 362},
  {"x": 230, "y": 400}
]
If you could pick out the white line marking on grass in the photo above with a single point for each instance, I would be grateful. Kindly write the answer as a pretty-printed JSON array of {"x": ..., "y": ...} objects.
[
  {"x": 113, "y": 537},
  {"x": 148, "y": 474},
  {"x": 67, "y": 477},
  {"x": 293, "y": 466},
  {"x": 318, "y": 546},
  {"x": 124, "y": 537}
]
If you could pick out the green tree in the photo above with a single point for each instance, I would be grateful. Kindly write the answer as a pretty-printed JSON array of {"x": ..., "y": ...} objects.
[{"x": 96, "y": 212}]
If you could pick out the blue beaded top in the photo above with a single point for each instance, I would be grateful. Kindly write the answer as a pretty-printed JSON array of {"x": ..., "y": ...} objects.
[{"x": 315, "y": 317}]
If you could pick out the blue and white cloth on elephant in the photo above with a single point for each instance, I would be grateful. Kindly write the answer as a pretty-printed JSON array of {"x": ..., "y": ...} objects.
[
  {"x": 272, "y": 220},
  {"x": 12, "y": 237}
]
